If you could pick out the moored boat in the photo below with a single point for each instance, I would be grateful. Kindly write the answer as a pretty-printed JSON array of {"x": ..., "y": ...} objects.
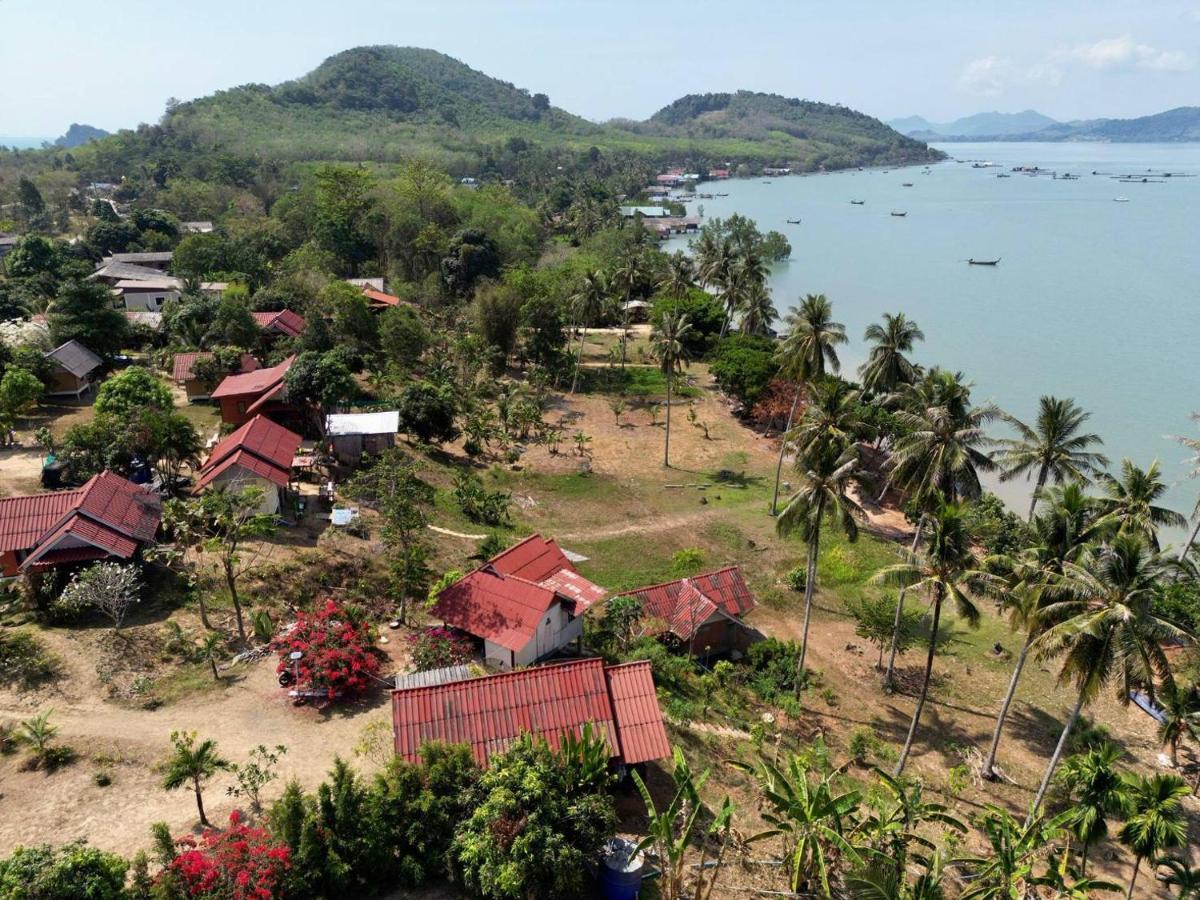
[{"x": 983, "y": 262}]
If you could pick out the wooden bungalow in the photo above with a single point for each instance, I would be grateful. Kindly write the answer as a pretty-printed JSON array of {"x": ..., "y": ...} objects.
[
  {"x": 183, "y": 375},
  {"x": 259, "y": 454},
  {"x": 281, "y": 322},
  {"x": 351, "y": 435},
  {"x": 242, "y": 397},
  {"x": 74, "y": 366}
]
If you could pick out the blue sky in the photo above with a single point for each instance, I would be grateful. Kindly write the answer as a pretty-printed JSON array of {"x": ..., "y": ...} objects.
[{"x": 113, "y": 64}]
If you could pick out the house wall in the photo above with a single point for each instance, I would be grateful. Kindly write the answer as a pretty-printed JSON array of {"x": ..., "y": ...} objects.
[
  {"x": 63, "y": 382},
  {"x": 233, "y": 409},
  {"x": 238, "y": 479},
  {"x": 10, "y": 566},
  {"x": 556, "y": 630},
  {"x": 196, "y": 389},
  {"x": 148, "y": 301}
]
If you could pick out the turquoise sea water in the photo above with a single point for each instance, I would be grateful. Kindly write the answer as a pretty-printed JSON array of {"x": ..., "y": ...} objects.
[{"x": 1093, "y": 299}]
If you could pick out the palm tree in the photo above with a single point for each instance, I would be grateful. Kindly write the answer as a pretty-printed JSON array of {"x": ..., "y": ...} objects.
[
  {"x": 940, "y": 457},
  {"x": 947, "y": 571},
  {"x": 210, "y": 651},
  {"x": 670, "y": 348},
  {"x": 887, "y": 368},
  {"x": 1067, "y": 884},
  {"x": 811, "y": 816},
  {"x": 810, "y": 345},
  {"x": 192, "y": 764},
  {"x": 626, "y": 277},
  {"x": 1059, "y": 535},
  {"x": 1156, "y": 820},
  {"x": 1182, "y": 877},
  {"x": 746, "y": 274},
  {"x": 1180, "y": 707},
  {"x": 1096, "y": 789},
  {"x": 1128, "y": 504},
  {"x": 1106, "y": 629},
  {"x": 715, "y": 260},
  {"x": 1194, "y": 445},
  {"x": 680, "y": 277},
  {"x": 1053, "y": 447},
  {"x": 758, "y": 312},
  {"x": 833, "y": 415},
  {"x": 586, "y": 305},
  {"x": 1007, "y": 870},
  {"x": 825, "y": 473}
]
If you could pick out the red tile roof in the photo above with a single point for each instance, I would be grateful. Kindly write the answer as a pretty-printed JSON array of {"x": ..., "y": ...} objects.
[
  {"x": 379, "y": 299},
  {"x": 489, "y": 713},
  {"x": 687, "y": 603},
  {"x": 260, "y": 446},
  {"x": 184, "y": 362},
  {"x": 253, "y": 384},
  {"x": 504, "y": 600},
  {"x": 109, "y": 513},
  {"x": 283, "y": 321}
]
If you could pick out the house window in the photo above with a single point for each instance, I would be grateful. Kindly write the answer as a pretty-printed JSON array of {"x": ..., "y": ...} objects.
[{"x": 241, "y": 407}]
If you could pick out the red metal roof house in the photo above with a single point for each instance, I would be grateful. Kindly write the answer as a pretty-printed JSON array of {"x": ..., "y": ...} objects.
[
  {"x": 488, "y": 714},
  {"x": 241, "y": 397},
  {"x": 259, "y": 454},
  {"x": 524, "y": 604},
  {"x": 107, "y": 517},
  {"x": 703, "y": 612},
  {"x": 283, "y": 321},
  {"x": 183, "y": 375}
]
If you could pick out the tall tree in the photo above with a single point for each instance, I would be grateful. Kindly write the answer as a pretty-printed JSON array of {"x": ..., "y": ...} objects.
[
  {"x": 825, "y": 472},
  {"x": 887, "y": 368},
  {"x": 587, "y": 303},
  {"x": 1192, "y": 444},
  {"x": 670, "y": 348},
  {"x": 811, "y": 344},
  {"x": 1106, "y": 629},
  {"x": 1055, "y": 448},
  {"x": 1129, "y": 504},
  {"x": 946, "y": 569},
  {"x": 1156, "y": 820},
  {"x": 758, "y": 311},
  {"x": 679, "y": 278},
  {"x": 628, "y": 275},
  {"x": 1181, "y": 716}
]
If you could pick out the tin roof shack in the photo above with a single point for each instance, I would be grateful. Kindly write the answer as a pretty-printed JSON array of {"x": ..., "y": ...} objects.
[
  {"x": 74, "y": 365},
  {"x": 259, "y": 454},
  {"x": 108, "y": 517},
  {"x": 551, "y": 702},
  {"x": 183, "y": 373},
  {"x": 242, "y": 397},
  {"x": 702, "y": 613},
  {"x": 160, "y": 260},
  {"x": 353, "y": 434},
  {"x": 523, "y": 605}
]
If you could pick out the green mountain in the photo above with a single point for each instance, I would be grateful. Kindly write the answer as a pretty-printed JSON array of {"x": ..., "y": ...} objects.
[
  {"x": 384, "y": 103},
  {"x": 985, "y": 123}
]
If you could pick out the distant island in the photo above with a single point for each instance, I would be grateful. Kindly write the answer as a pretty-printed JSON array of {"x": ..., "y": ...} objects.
[
  {"x": 1179, "y": 125},
  {"x": 78, "y": 135},
  {"x": 385, "y": 104}
]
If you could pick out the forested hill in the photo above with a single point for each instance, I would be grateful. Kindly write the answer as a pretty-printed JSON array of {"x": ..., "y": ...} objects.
[
  {"x": 385, "y": 103},
  {"x": 1179, "y": 125}
]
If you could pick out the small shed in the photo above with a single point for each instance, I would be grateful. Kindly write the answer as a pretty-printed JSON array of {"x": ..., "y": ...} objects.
[
  {"x": 353, "y": 434},
  {"x": 74, "y": 365}
]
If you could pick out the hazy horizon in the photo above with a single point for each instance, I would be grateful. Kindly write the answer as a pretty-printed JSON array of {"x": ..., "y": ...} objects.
[{"x": 1078, "y": 60}]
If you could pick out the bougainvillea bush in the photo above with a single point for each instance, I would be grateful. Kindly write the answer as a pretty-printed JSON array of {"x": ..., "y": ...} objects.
[
  {"x": 240, "y": 863},
  {"x": 338, "y": 647},
  {"x": 436, "y": 648}
]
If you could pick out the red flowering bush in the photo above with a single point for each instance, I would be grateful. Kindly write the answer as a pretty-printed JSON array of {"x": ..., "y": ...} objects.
[
  {"x": 240, "y": 863},
  {"x": 436, "y": 648},
  {"x": 339, "y": 655}
]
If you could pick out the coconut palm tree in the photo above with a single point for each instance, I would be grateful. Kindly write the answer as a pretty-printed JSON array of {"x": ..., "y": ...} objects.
[
  {"x": 629, "y": 273},
  {"x": 1054, "y": 448},
  {"x": 1128, "y": 504},
  {"x": 587, "y": 303},
  {"x": 679, "y": 278},
  {"x": 1106, "y": 630},
  {"x": 1059, "y": 535},
  {"x": 758, "y": 312},
  {"x": 887, "y": 368},
  {"x": 1181, "y": 876},
  {"x": 670, "y": 348},
  {"x": 833, "y": 415},
  {"x": 947, "y": 571},
  {"x": 715, "y": 260},
  {"x": 940, "y": 457},
  {"x": 1180, "y": 705},
  {"x": 1096, "y": 789},
  {"x": 746, "y": 273},
  {"x": 825, "y": 473},
  {"x": 811, "y": 345},
  {"x": 1156, "y": 819},
  {"x": 1194, "y": 445},
  {"x": 192, "y": 764}
]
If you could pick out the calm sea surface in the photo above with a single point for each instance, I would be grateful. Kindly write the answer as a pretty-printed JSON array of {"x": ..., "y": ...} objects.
[{"x": 1093, "y": 299}]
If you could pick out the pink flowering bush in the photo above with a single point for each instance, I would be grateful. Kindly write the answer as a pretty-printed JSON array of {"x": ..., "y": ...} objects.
[
  {"x": 339, "y": 655},
  {"x": 240, "y": 863},
  {"x": 436, "y": 648}
]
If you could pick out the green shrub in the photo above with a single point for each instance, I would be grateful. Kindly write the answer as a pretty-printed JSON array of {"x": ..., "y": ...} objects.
[
  {"x": 688, "y": 561},
  {"x": 65, "y": 872},
  {"x": 24, "y": 662},
  {"x": 478, "y": 503},
  {"x": 797, "y": 579},
  {"x": 838, "y": 568},
  {"x": 774, "y": 666},
  {"x": 671, "y": 670}
]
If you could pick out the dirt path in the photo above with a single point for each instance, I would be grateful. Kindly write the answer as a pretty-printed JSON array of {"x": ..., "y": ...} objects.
[{"x": 658, "y": 523}]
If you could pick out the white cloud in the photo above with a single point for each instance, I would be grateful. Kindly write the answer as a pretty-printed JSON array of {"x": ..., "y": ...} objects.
[
  {"x": 1125, "y": 53},
  {"x": 991, "y": 76}
]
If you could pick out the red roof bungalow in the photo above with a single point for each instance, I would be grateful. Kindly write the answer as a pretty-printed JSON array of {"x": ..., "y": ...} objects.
[
  {"x": 704, "y": 612},
  {"x": 283, "y": 321},
  {"x": 378, "y": 300},
  {"x": 183, "y": 375},
  {"x": 718, "y": 173},
  {"x": 259, "y": 454},
  {"x": 524, "y": 604},
  {"x": 489, "y": 713},
  {"x": 107, "y": 517},
  {"x": 243, "y": 396}
]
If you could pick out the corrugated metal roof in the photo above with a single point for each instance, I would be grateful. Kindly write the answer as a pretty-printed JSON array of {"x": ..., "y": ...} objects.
[
  {"x": 340, "y": 424},
  {"x": 432, "y": 677},
  {"x": 163, "y": 256},
  {"x": 75, "y": 358},
  {"x": 253, "y": 383},
  {"x": 118, "y": 271},
  {"x": 488, "y": 604},
  {"x": 25, "y": 519},
  {"x": 489, "y": 713},
  {"x": 687, "y": 603},
  {"x": 284, "y": 321}
]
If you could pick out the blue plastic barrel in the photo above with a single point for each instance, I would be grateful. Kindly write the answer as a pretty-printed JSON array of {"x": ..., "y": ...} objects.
[{"x": 621, "y": 871}]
